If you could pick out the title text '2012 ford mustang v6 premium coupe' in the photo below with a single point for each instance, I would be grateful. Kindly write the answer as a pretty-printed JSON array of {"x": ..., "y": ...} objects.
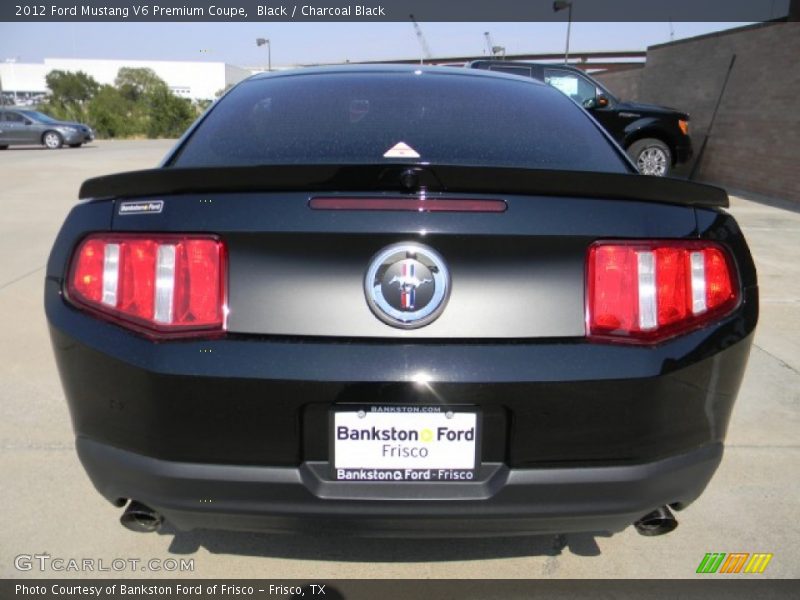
[{"x": 400, "y": 301}]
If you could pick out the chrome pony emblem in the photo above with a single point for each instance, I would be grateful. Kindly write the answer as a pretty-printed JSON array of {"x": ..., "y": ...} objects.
[
  {"x": 407, "y": 285},
  {"x": 408, "y": 282}
]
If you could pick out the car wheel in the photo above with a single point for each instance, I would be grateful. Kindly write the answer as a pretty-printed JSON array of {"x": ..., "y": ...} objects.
[
  {"x": 53, "y": 140},
  {"x": 3, "y": 147},
  {"x": 75, "y": 145},
  {"x": 651, "y": 156}
]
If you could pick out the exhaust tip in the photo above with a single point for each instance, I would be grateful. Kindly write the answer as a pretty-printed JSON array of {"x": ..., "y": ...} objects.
[
  {"x": 658, "y": 522},
  {"x": 141, "y": 518}
]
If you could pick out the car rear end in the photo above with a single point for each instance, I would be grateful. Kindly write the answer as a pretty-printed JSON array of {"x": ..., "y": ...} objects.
[{"x": 233, "y": 355}]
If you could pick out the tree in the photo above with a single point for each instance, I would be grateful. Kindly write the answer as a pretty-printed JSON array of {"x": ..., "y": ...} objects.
[
  {"x": 109, "y": 113},
  {"x": 69, "y": 93},
  {"x": 169, "y": 115},
  {"x": 71, "y": 88},
  {"x": 135, "y": 84},
  {"x": 201, "y": 105},
  {"x": 139, "y": 103},
  {"x": 154, "y": 109}
]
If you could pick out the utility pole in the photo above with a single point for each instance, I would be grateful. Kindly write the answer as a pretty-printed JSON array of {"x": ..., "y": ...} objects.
[
  {"x": 561, "y": 5},
  {"x": 261, "y": 42},
  {"x": 426, "y": 51}
]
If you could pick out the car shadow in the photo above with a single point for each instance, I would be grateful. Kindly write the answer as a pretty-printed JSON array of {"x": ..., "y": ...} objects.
[{"x": 374, "y": 550}]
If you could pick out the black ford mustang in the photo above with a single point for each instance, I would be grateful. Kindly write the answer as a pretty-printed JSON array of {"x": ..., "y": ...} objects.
[{"x": 400, "y": 301}]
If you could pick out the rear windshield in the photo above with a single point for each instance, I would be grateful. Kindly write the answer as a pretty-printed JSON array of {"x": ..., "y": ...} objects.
[{"x": 357, "y": 118}]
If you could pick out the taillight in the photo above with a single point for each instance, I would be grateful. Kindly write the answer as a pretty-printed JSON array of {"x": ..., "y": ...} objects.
[
  {"x": 684, "y": 125},
  {"x": 652, "y": 290},
  {"x": 409, "y": 204},
  {"x": 159, "y": 284}
]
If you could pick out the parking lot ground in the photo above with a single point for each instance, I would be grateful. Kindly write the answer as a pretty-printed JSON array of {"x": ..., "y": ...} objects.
[{"x": 49, "y": 505}]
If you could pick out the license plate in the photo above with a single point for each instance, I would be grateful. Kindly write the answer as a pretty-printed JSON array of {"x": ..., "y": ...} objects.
[{"x": 405, "y": 443}]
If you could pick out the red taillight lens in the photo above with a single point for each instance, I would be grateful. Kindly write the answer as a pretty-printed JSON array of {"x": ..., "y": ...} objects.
[
  {"x": 86, "y": 280},
  {"x": 410, "y": 204},
  {"x": 162, "y": 284},
  {"x": 653, "y": 290}
]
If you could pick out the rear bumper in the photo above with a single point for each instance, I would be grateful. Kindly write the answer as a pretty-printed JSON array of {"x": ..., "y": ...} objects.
[
  {"x": 266, "y": 401},
  {"x": 233, "y": 433},
  {"x": 504, "y": 502}
]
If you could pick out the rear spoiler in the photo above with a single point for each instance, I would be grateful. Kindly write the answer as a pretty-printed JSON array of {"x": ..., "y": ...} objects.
[{"x": 406, "y": 178}]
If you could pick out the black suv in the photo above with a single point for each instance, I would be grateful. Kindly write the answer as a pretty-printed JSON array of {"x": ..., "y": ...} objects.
[{"x": 656, "y": 138}]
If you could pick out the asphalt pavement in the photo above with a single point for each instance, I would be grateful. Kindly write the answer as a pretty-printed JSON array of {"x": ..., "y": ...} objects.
[{"x": 50, "y": 507}]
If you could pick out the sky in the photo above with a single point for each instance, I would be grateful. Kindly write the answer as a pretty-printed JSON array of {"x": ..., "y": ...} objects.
[{"x": 311, "y": 43}]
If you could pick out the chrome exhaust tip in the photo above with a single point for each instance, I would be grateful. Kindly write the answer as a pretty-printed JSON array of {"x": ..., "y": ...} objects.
[
  {"x": 141, "y": 518},
  {"x": 658, "y": 522}
]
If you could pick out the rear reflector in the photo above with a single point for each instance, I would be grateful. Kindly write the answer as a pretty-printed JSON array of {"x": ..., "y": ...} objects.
[
  {"x": 409, "y": 204},
  {"x": 161, "y": 284},
  {"x": 652, "y": 290}
]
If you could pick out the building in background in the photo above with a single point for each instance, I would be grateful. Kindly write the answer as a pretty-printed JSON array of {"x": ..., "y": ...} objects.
[{"x": 187, "y": 79}]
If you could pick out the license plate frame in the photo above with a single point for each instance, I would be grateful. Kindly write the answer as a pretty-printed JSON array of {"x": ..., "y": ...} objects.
[{"x": 454, "y": 418}]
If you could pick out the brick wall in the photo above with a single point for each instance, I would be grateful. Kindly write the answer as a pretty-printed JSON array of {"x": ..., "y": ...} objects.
[
  {"x": 755, "y": 142},
  {"x": 624, "y": 84}
]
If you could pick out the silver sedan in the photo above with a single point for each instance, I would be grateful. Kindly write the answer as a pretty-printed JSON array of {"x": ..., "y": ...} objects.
[{"x": 32, "y": 127}]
